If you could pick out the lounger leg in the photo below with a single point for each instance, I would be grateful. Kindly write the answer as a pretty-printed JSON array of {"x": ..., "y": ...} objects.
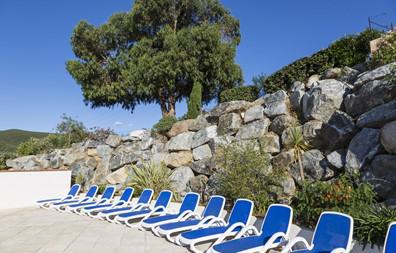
[{"x": 194, "y": 249}]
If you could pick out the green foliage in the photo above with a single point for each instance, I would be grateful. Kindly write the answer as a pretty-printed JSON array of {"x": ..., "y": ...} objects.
[
  {"x": 79, "y": 179},
  {"x": 247, "y": 93},
  {"x": 99, "y": 134},
  {"x": 155, "y": 53},
  {"x": 246, "y": 173},
  {"x": 34, "y": 146},
  {"x": 4, "y": 157},
  {"x": 164, "y": 125},
  {"x": 386, "y": 52},
  {"x": 371, "y": 228},
  {"x": 101, "y": 188},
  {"x": 10, "y": 139},
  {"x": 72, "y": 130},
  {"x": 341, "y": 195},
  {"x": 153, "y": 176},
  {"x": 347, "y": 51},
  {"x": 298, "y": 144},
  {"x": 195, "y": 101}
]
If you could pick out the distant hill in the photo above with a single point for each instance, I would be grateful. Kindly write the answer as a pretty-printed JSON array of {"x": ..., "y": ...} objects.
[{"x": 11, "y": 138}]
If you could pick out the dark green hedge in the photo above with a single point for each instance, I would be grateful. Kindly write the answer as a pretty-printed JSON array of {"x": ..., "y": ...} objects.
[
  {"x": 247, "y": 93},
  {"x": 348, "y": 51}
]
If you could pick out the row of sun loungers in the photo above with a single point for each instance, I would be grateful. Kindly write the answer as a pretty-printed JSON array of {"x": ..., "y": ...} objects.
[{"x": 186, "y": 227}]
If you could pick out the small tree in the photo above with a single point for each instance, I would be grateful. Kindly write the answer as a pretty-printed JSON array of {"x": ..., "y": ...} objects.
[
  {"x": 195, "y": 102},
  {"x": 74, "y": 131}
]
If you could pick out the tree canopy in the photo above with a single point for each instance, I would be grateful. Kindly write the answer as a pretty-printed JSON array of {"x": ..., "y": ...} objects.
[{"x": 156, "y": 53}]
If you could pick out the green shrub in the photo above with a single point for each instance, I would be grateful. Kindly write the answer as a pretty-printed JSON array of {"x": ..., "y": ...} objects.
[
  {"x": 164, "y": 125},
  {"x": 195, "y": 102},
  {"x": 371, "y": 228},
  {"x": 347, "y": 51},
  {"x": 247, "y": 93},
  {"x": 4, "y": 157},
  {"x": 386, "y": 52},
  {"x": 246, "y": 173},
  {"x": 73, "y": 131},
  {"x": 340, "y": 195},
  {"x": 101, "y": 188},
  {"x": 153, "y": 176},
  {"x": 34, "y": 146},
  {"x": 99, "y": 134}
]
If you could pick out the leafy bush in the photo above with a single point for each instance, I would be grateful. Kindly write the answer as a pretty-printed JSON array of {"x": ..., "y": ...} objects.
[
  {"x": 101, "y": 188},
  {"x": 246, "y": 173},
  {"x": 99, "y": 134},
  {"x": 4, "y": 157},
  {"x": 164, "y": 125},
  {"x": 34, "y": 146},
  {"x": 247, "y": 93},
  {"x": 73, "y": 131},
  {"x": 340, "y": 195},
  {"x": 153, "y": 176},
  {"x": 195, "y": 102},
  {"x": 371, "y": 228},
  {"x": 347, "y": 51},
  {"x": 386, "y": 52}
]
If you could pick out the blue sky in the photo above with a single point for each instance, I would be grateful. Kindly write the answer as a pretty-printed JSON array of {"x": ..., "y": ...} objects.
[{"x": 35, "y": 88}]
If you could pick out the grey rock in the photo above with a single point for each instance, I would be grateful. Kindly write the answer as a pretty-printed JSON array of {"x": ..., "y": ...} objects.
[
  {"x": 280, "y": 123},
  {"x": 287, "y": 135},
  {"x": 104, "y": 151},
  {"x": 323, "y": 99},
  {"x": 296, "y": 99},
  {"x": 314, "y": 165},
  {"x": 311, "y": 131},
  {"x": 337, "y": 158},
  {"x": 158, "y": 158},
  {"x": 147, "y": 143},
  {"x": 120, "y": 176},
  {"x": 203, "y": 136},
  {"x": 178, "y": 159},
  {"x": 227, "y": 107},
  {"x": 91, "y": 144},
  {"x": 276, "y": 104},
  {"x": 284, "y": 159},
  {"x": 113, "y": 140},
  {"x": 388, "y": 137},
  {"x": 376, "y": 74},
  {"x": 384, "y": 175},
  {"x": 127, "y": 153},
  {"x": 332, "y": 73},
  {"x": 312, "y": 81},
  {"x": 181, "y": 142},
  {"x": 202, "y": 152},
  {"x": 220, "y": 142},
  {"x": 180, "y": 127},
  {"x": 84, "y": 168},
  {"x": 206, "y": 166},
  {"x": 199, "y": 123},
  {"x": 362, "y": 148},
  {"x": 254, "y": 113},
  {"x": 370, "y": 95},
  {"x": 138, "y": 135},
  {"x": 378, "y": 116},
  {"x": 349, "y": 75},
  {"x": 71, "y": 157},
  {"x": 229, "y": 124},
  {"x": 198, "y": 184},
  {"x": 253, "y": 130},
  {"x": 270, "y": 143},
  {"x": 180, "y": 178},
  {"x": 337, "y": 132},
  {"x": 297, "y": 85}
]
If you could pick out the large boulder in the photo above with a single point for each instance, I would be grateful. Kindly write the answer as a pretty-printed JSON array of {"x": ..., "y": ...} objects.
[
  {"x": 72, "y": 156},
  {"x": 337, "y": 158},
  {"x": 137, "y": 135},
  {"x": 383, "y": 169},
  {"x": 202, "y": 152},
  {"x": 323, "y": 99},
  {"x": 362, "y": 148},
  {"x": 229, "y": 124},
  {"x": 337, "y": 132},
  {"x": 119, "y": 176},
  {"x": 206, "y": 166},
  {"x": 147, "y": 143},
  {"x": 270, "y": 143},
  {"x": 178, "y": 159},
  {"x": 84, "y": 169},
  {"x": 227, "y": 107},
  {"x": 103, "y": 168},
  {"x": 388, "y": 137},
  {"x": 370, "y": 95},
  {"x": 288, "y": 136},
  {"x": 113, "y": 140},
  {"x": 253, "y": 130},
  {"x": 199, "y": 123},
  {"x": 312, "y": 81},
  {"x": 24, "y": 163},
  {"x": 280, "y": 123},
  {"x": 180, "y": 127},
  {"x": 376, "y": 74},
  {"x": 127, "y": 153},
  {"x": 378, "y": 116},
  {"x": 332, "y": 73},
  {"x": 311, "y": 131},
  {"x": 349, "y": 75},
  {"x": 180, "y": 178},
  {"x": 276, "y": 104},
  {"x": 203, "y": 136},
  {"x": 284, "y": 159},
  {"x": 254, "y": 113},
  {"x": 314, "y": 165},
  {"x": 181, "y": 142}
]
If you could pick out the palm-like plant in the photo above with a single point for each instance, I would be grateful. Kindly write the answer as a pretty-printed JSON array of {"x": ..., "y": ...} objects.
[{"x": 298, "y": 143}]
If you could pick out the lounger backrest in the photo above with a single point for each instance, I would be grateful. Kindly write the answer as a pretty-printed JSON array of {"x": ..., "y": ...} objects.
[
  {"x": 74, "y": 190},
  {"x": 241, "y": 212},
  {"x": 127, "y": 194},
  {"x": 214, "y": 207},
  {"x": 190, "y": 202},
  {"x": 108, "y": 192},
  {"x": 390, "y": 241},
  {"x": 163, "y": 199},
  {"x": 92, "y": 191},
  {"x": 277, "y": 219},
  {"x": 334, "y": 230},
  {"x": 145, "y": 196}
]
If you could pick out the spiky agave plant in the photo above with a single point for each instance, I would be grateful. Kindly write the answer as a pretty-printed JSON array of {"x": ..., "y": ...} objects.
[{"x": 299, "y": 145}]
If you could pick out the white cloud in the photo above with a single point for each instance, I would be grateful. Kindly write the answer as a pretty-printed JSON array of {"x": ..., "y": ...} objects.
[{"x": 118, "y": 123}]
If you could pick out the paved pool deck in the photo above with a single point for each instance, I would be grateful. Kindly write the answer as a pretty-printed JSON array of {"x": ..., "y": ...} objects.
[{"x": 36, "y": 230}]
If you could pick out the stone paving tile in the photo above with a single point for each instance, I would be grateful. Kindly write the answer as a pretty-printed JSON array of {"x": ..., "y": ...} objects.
[{"x": 35, "y": 230}]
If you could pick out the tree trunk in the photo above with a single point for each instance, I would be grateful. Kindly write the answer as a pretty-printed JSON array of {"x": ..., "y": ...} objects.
[
  {"x": 168, "y": 107},
  {"x": 300, "y": 165}
]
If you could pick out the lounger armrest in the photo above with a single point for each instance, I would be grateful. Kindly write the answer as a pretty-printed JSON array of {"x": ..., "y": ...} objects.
[
  {"x": 296, "y": 240},
  {"x": 214, "y": 221},
  {"x": 339, "y": 250},
  {"x": 139, "y": 207},
  {"x": 205, "y": 221},
  {"x": 183, "y": 215},
  {"x": 119, "y": 204},
  {"x": 155, "y": 210},
  {"x": 191, "y": 215},
  {"x": 246, "y": 230},
  {"x": 271, "y": 241},
  {"x": 228, "y": 232}
]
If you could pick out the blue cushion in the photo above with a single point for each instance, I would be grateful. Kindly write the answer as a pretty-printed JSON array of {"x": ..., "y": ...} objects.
[
  {"x": 120, "y": 209},
  {"x": 241, "y": 244},
  {"x": 203, "y": 232},
  {"x": 134, "y": 213},
  {"x": 97, "y": 206},
  {"x": 160, "y": 218},
  {"x": 390, "y": 244},
  {"x": 180, "y": 224}
]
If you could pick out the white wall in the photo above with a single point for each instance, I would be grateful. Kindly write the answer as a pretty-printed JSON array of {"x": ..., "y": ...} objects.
[{"x": 24, "y": 188}]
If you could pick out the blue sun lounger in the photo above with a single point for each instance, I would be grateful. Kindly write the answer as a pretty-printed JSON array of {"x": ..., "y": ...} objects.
[
  {"x": 142, "y": 202},
  {"x": 106, "y": 197},
  {"x": 274, "y": 230},
  {"x": 160, "y": 207},
  {"x": 124, "y": 199},
  {"x": 192, "y": 221},
  {"x": 333, "y": 234},
  {"x": 390, "y": 239},
  {"x": 73, "y": 192},
  {"x": 89, "y": 196},
  {"x": 239, "y": 217},
  {"x": 188, "y": 205}
]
